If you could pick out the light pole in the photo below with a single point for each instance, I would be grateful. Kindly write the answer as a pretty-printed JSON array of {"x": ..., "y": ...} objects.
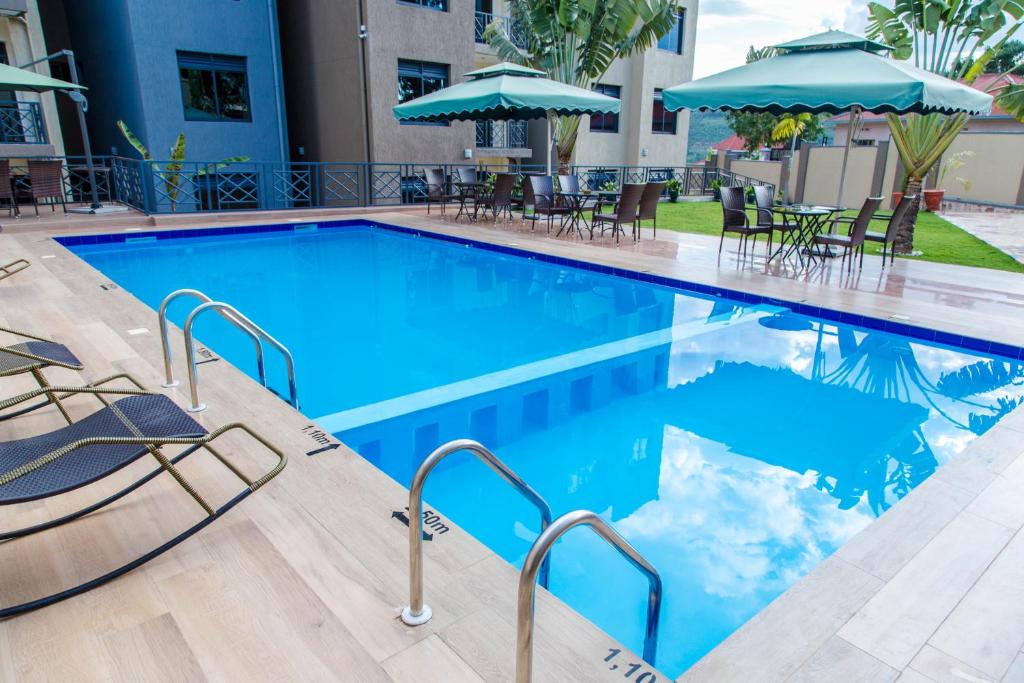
[{"x": 81, "y": 105}]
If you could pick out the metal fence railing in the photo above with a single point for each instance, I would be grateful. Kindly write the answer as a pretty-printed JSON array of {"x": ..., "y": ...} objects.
[
  {"x": 508, "y": 26},
  {"x": 199, "y": 186},
  {"x": 22, "y": 123},
  {"x": 502, "y": 134}
]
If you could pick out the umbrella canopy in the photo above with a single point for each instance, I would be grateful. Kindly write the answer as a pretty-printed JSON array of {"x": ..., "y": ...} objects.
[
  {"x": 828, "y": 73},
  {"x": 13, "y": 78},
  {"x": 505, "y": 91}
]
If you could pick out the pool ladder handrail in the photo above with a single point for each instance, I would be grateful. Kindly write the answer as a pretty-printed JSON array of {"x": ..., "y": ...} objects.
[
  {"x": 537, "y": 557},
  {"x": 239, "y": 321},
  {"x": 417, "y": 612}
]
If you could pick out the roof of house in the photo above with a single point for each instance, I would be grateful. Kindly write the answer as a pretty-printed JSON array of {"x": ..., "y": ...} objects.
[
  {"x": 735, "y": 143},
  {"x": 984, "y": 82}
]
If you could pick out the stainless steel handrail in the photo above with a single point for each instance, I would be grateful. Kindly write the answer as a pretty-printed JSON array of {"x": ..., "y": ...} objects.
[
  {"x": 166, "y": 342},
  {"x": 417, "y": 612},
  {"x": 528, "y": 585},
  {"x": 240, "y": 321}
]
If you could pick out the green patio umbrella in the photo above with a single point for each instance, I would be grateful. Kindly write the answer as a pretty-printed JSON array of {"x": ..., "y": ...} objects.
[
  {"x": 829, "y": 73},
  {"x": 506, "y": 91},
  {"x": 13, "y": 78}
]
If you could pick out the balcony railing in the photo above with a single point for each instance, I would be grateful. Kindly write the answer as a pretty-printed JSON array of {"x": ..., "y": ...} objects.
[
  {"x": 502, "y": 134},
  {"x": 195, "y": 186},
  {"x": 507, "y": 25},
  {"x": 22, "y": 123}
]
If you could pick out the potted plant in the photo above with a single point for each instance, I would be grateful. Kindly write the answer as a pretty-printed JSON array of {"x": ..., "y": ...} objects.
[
  {"x": 897, "y": 197},
  {"x": 933, "y": 196},
  {"x": 673, "y": 187},
  {"x": 716, "y": 189}
]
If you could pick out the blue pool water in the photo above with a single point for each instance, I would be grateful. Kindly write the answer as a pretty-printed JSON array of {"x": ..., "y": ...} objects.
[{"x": 735, "y": 445}]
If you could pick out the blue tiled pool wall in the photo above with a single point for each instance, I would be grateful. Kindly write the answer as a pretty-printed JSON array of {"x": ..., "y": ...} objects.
[{"x": 894, "y": 327}]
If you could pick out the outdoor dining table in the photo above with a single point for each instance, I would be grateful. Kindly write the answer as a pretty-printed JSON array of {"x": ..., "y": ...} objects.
[
  {"x": 576, "y": 202},
  {"x": 807, "y": 222}
]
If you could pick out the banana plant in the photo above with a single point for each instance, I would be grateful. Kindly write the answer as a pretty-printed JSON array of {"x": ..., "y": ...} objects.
[
  {"x": 575, "y": 41},
  {"x": 171, "y": 173},
  {"x": 952, "y": 38}
]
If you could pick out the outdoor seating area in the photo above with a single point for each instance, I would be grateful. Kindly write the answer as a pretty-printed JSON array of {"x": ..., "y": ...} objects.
[
  {"x": 808, "y": 232},
  {"x": 561, "y": 202}
]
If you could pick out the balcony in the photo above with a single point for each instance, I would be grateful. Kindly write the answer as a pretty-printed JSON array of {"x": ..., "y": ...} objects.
[
  {"x": 21, "y": 123},
  {"x": 509, "y": 27},
  {"x": 503, "y": 138}
]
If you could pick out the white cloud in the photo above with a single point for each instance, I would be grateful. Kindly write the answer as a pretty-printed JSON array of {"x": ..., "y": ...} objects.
[{"x": 727, "y": 28}]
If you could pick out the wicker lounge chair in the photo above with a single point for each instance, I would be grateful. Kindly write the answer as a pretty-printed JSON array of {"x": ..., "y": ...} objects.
[
  {"x": 568, "y": 183},
  {"x": 764, "y": 206},
  {"x": 437, "y": 189},
  {"x": 499, "y": 198},
  {"x": 33, "y": 356},
  {"x": 648, "y": 210},
  {"x": 735, "y": 219},
  {"x": 625, "y": 211},
  {"x": 46, "y": 178},
  {"x": 853, "y": 242},
  {"x": 7, "y": 187},
  {"x": 15, "y": 266},
  {"x": 89, "y": 450},
  {"x": 542, "y": 194}
]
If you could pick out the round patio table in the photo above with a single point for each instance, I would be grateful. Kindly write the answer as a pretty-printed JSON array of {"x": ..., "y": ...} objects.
[
  {"x": 807, "y": 222},
  {"x": 576, "y": 202},
  {"x": 468, "y": 191}
]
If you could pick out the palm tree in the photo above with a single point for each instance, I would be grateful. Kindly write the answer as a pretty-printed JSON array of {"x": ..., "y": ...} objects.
[
  {"x": 941, "y": 36},
  {"x": 575, "y": 42}
]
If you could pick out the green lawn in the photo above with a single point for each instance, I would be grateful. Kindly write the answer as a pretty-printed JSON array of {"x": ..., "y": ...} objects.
[{"x": 937, "y": 239}]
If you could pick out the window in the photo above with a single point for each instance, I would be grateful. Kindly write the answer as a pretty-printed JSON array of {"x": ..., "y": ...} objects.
[
  {"x": 213, "y": 87},
  {"x": 416, "y": 79},
  {"x": 662, "y": 120},
  {"x": 606, "y": 123},
  {"x": 439, "y": 5},
  {"x": 673, "y": 40}
]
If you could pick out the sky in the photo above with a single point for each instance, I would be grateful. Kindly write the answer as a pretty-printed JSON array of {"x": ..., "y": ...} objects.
[{"x": 727, "y": 28}]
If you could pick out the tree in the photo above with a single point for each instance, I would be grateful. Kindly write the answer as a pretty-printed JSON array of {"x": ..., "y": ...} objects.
[
  {"x": 171, "y": 173},
  {"x": 575, "y": 41},
  {"x": 759, "y": 129},
  {"x": 1009, "y": 58},
  {"x": 940, "y": 36}
]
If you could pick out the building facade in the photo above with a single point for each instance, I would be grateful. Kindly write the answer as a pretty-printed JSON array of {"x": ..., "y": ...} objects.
[
  {"x": 29, "y": 124},
  {"x": 207, "y": 68},
  {"x": 347, "y": 63}
]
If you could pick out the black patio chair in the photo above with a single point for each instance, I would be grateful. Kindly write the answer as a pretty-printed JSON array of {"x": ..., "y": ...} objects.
[
  {"x": 139, "y": 424},
  {"x": 735, "y": 219},
  {"x": 764, "y": 207},
  {"x": 854, "y": 242},
  {"x": 33, "y": 356},
  {"x": 499, "y": 198},
  {"x": 542, "y": 193},
  {"x": 888, "y": 238},
  {"x": 648, "y": 210},
  {"x": 437, "y": 189},
  {"x": 625, "y": 211}
]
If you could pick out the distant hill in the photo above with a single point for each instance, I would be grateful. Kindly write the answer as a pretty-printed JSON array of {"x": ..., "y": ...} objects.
[{"x": 707, "y": 128}]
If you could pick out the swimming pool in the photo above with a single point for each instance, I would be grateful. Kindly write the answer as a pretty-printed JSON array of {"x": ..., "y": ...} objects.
[{"x": 735, "y": 442}]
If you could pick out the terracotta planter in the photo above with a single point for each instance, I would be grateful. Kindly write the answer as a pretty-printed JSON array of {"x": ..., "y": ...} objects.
[
  {"x": 896, "y": 197},
  {"x": 933, "y": 199}
]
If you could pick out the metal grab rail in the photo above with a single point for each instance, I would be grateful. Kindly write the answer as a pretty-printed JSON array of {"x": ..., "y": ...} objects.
[
  {"x": 528, "y": 585},
  {"x": 417, "y": 612},
  {"x": 166, "y": 342},
  {"x": 240, "y": 321}
]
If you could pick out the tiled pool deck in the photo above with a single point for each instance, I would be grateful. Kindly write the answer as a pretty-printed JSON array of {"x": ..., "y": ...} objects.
[{"x": 304, "y": 579}]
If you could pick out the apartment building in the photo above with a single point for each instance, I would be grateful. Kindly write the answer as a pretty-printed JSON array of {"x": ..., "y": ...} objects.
[
  {"x": 29, "y": 124},
  {"x": 208, "y": 68},
  {"x": 347, "y": 63}
]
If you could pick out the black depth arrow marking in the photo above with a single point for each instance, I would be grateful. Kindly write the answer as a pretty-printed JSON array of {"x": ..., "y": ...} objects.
[
  {"x": 404, "y": 519},
  {"x": 324, "y": 450}
]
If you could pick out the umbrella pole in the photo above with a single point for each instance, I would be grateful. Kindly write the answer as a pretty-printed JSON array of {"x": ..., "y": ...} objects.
[
  {"x": 855, "y": 115},
  {"x": 549, "y": 143}
]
